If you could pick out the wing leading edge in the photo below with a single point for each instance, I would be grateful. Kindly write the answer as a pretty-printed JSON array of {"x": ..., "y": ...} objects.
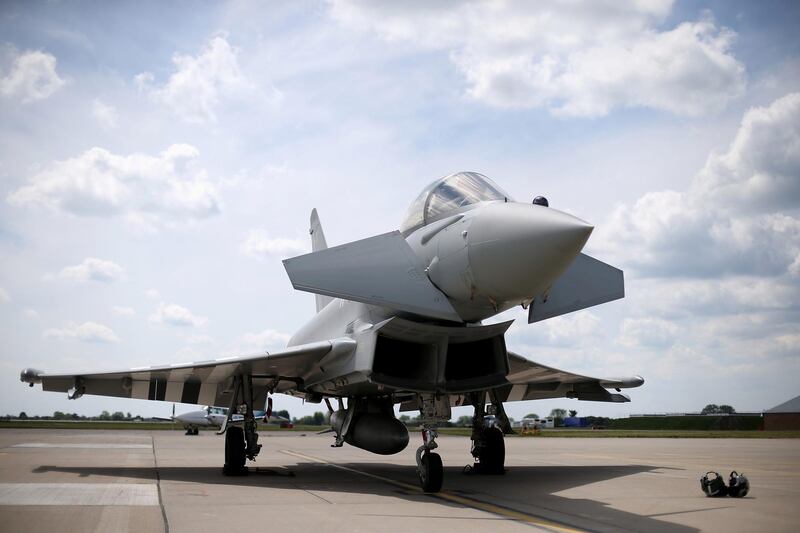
[
  {"x": 529, "y": 380},
  {"x": 202, "y": 383}
]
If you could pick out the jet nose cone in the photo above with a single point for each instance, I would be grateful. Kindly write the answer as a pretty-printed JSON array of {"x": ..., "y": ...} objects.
[{"x": 517, "y": 250}]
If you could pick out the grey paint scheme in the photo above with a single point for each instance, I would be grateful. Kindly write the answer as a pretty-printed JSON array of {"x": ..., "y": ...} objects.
[
  {"x": 432, "y": 288},
  {"x": 318, "y": 243},
  {"x": 586, "y": 283}
]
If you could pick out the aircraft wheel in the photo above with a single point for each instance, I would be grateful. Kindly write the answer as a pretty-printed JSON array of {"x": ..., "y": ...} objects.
[
  {"x": 431, "y": 472},
  {"x": 234, "y": 452},
  {"x": 493, "y": 457}
]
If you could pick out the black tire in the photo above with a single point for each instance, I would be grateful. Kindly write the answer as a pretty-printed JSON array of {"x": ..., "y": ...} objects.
[
  {"x": 493, "y": 458},
  {"x": 234, "y": 452},
  {"x": 431, "y": 473}
]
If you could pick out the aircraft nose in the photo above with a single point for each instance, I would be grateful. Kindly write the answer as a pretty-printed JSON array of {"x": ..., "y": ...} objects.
[{"x": 517, "y": 250}]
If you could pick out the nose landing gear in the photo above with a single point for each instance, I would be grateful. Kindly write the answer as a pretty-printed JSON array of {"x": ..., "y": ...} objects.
[
  {"x": 434, "y": 410},
  {"x": 429, "y": 464}
]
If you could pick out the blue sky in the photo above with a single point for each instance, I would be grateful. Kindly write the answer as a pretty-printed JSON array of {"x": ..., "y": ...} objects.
[{"x": 157, "y": 161}]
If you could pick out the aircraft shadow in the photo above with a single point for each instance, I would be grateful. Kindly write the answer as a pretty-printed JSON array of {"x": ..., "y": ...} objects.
[{"x": 529, "y": 489}]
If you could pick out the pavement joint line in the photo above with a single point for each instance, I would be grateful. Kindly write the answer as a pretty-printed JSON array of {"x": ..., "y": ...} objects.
[
  {"x": 453, "y": 498},
  {"x": 158, "y": 485}
]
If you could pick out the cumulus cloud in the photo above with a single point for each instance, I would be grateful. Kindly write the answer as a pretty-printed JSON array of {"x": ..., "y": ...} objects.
[
  {"x": 712, "y": 280},
  {"x": 102, "y": 184},
  {"x": 260, "y": 245},
  {"x": 93, "y": 269},
  {"x": 176, "y": 315},
  {"x": 739, "y": 216},
  {"x": 32, "y": 77},
  {"x": 86, "y": 332},
  {"x": 760, "y": 172},
  {"x": 198, "y": 84},
  {"x": 105, "y": 114},
  {"x": 573, "y": 58},
  {"x": 4, "y": 297}
]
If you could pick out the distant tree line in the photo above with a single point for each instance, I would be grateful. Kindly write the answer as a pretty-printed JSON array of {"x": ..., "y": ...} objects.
[
  {"x": 714, "y": 409},
  {"x": 116, "y": 416}
]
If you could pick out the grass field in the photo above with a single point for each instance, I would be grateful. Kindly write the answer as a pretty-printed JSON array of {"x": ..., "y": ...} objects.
[
  {"x": 645, "y": 433},
  {"x": 96, "y": 424},
  {"x": 457, "y": 431}
]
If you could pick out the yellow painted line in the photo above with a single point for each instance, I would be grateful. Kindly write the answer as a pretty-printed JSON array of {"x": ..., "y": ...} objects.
[{"x": 462, "y": 500}]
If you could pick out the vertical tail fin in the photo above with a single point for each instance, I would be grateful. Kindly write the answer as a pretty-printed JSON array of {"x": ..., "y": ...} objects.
[{"x": 318, "y": 243}]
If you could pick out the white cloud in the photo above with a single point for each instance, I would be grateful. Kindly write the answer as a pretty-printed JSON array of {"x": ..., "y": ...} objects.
[
  {"x": 176, "y": 315},
  {"x": 86, "y": 332},
  {"x": 32, "y": 77},
  {"x": 199, "y": 82},
  {"x": 260, "y": 245},
  {"x": 30, "y": 314},
  {"x": 123, "y": 311},
  {"x": 105, "y": 114},
  {"x": 93, "y": 269},
  {"x": 760, "y": 172},
  {"x": 573, "y": 58},
  {"x": 4, "y": 297},
  {"x": 99, "y": 183},
  {"x": 152, "y": 294},
  {"x": 738, "y": 217},
  {"x": 711, "y": 281}
]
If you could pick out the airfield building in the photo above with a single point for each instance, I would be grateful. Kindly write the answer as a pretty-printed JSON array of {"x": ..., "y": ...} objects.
[{"x": 785, "y": 416}]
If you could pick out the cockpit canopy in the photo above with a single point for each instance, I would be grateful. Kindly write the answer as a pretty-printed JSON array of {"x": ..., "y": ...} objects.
[{"x": 448, "y": 195}]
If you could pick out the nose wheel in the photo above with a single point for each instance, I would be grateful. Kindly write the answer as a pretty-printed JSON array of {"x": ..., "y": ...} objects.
[
  {"x": 429, "y": 464},
  {"x": 431, "y": 472}
]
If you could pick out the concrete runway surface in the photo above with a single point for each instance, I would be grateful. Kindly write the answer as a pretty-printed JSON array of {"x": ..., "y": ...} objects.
[{"x": 154, "y": 481}]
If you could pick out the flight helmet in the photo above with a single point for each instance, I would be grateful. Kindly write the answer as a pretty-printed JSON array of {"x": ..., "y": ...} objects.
[{"x": 713, "y": 485}]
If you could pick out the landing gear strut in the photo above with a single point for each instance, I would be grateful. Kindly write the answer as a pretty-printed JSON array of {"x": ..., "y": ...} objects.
[
  {"x": 433, "y": 410},
  {"x": 488, "y": 443},
  {"x": 429, "y": 464},
  {"x": 240, "y": 443}
]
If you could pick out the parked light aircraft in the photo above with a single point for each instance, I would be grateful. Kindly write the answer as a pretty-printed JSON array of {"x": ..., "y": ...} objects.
[
  {"x": 210, "y": 416},
  {"x": 400, "y": 321}
]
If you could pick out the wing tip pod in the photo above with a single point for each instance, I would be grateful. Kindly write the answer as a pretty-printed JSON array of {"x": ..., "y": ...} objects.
[
  {"x": 30, "y": 376},
  {"x": 623, "y": 383}
]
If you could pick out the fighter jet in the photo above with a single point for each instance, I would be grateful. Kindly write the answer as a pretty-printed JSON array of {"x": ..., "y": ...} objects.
[{"x": 400, "y": 322}]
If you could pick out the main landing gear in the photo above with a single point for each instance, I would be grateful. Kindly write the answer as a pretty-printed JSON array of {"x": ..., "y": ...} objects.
[
  {"x": 241, "y": 443},
  {"x": 488, "y": 441}
]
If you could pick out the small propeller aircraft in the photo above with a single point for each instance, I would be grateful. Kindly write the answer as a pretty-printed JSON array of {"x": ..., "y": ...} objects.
[
  {"x": 400, "y": 322},
  {"x": 210, "y": 416}
]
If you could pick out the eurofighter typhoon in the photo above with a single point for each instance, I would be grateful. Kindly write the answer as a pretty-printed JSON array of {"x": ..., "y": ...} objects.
[{"x": 399, "y": 322}]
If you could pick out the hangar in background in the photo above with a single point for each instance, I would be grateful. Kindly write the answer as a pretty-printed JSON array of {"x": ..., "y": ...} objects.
[{"x": 785, "y": 416}]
